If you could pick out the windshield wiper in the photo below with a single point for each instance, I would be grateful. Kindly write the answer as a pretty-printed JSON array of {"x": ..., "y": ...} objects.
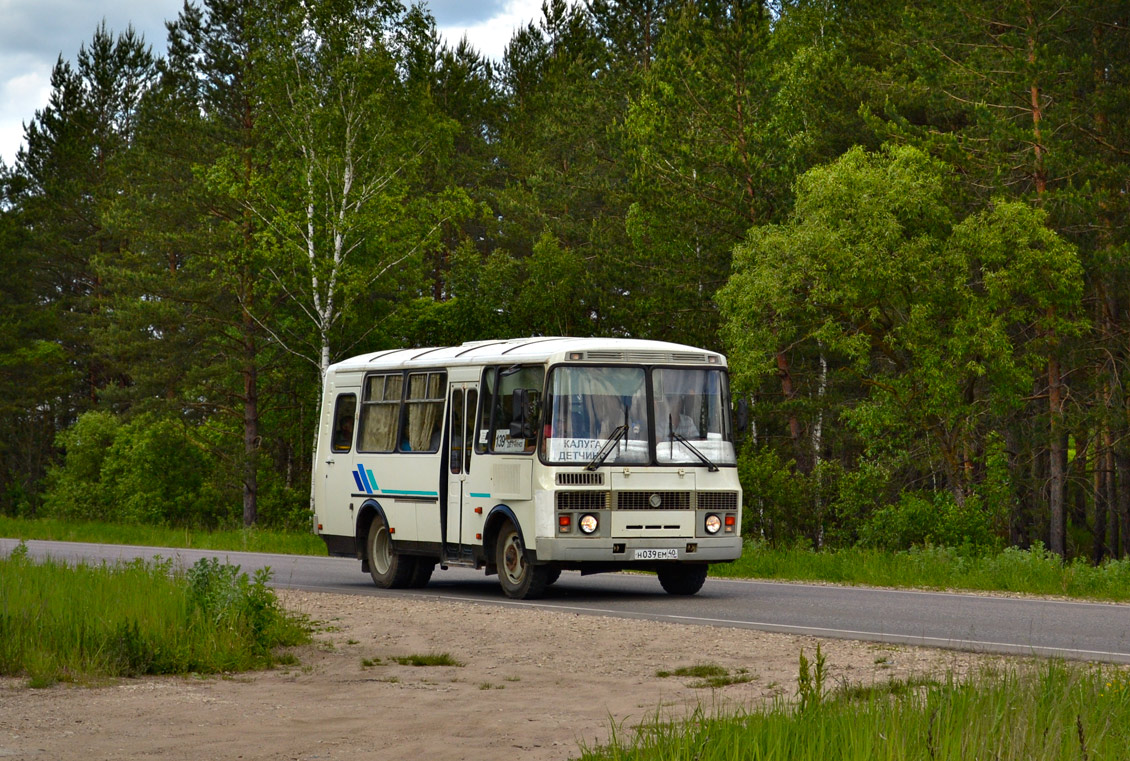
[
  {"x": 609, "y": 445},
  {"x": 683, "y": 440}
]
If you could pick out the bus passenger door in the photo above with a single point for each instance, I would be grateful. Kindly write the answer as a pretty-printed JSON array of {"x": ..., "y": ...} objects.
[{"x": 464, "y": 397}]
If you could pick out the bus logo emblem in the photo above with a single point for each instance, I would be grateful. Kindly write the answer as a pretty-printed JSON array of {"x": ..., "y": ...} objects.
[{"x": 365, "y": 480}]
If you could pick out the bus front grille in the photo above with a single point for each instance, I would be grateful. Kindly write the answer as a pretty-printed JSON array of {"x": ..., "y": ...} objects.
[
  {"x": 720, "y": 501},
  {"x": 580, "y": 479},
  {"x": 653, "y": 500},
  {"x": 582, "y": 500}
]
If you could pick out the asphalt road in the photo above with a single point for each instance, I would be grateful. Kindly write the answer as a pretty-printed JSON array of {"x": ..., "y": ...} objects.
[{"x": 1074, "y": 630}]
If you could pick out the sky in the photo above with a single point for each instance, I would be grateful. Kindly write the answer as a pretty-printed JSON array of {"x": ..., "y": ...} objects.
[{"x": 35, "y": 33}]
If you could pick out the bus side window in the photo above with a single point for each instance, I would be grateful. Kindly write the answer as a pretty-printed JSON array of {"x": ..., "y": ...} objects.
[
  {"x": 472, "y": 399},
  {"x": 529, "y": 378},
  {"x": 380, "y": 413},
  {"x": 483, "y": 427},
  {"x": 422, "y": 424},
  {"x": 455, "y": 458},
  {"x": 344, "y": 411}
]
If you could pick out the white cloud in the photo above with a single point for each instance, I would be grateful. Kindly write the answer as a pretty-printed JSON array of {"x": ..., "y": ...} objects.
[
  {"x": 490, "y": 36},
  {"x": 36, "y": 32}
]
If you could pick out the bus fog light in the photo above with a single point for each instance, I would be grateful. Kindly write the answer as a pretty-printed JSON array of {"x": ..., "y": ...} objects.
[
  {"x": 713, "y": 524},
  {"x": 587, "y": 523}
]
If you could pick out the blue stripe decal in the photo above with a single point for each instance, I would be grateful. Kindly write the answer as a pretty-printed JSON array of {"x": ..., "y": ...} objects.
[
  {"x": 357, "y": 478},
  {"x": 372, "y": 479},
  {"x": 365, "y": 487},
  {"x": 412, "y": 493},
  {"x": 476, "y": 495}
]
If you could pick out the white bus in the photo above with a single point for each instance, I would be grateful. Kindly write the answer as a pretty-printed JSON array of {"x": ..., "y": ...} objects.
[{"x": 527, "y": 457}]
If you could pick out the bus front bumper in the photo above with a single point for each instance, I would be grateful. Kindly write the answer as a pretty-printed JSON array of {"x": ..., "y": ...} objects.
[{"x": 641, "y": 550}]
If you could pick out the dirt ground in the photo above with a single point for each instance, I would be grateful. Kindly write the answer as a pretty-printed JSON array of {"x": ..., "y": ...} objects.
[{"x": 534, "y": 684}]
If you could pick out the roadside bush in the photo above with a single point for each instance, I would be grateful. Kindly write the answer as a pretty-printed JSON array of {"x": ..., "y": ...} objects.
[
  {"x": 145, "y": 470},
  {"x": 930, "y": 518},
  {"x": 776, "y": 505},
  {"x": 75, "y": 489}
]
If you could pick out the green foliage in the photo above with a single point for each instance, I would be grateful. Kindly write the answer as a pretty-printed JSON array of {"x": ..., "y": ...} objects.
[
  {"x": 903, "y": 221},
  {"x": 1051, "y": 712},
  {"x": 810, "y": 687},
  {"x": 146, "y": 470},
  {"x": 932, "y": 518},
  {"x": 939, "y": 325},
  {"x": 83, "y": 623}
]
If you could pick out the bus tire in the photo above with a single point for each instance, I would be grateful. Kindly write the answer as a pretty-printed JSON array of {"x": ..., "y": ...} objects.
[
  {"x": 422, "y": 573},
  {"x": 389, "y": 569},
  {"x": 520, "y": 579},
  {"x": 682, "y": 579}
]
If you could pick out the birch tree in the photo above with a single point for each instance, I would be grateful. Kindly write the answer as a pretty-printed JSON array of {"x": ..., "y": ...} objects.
[{"x": 348, "y": 138}]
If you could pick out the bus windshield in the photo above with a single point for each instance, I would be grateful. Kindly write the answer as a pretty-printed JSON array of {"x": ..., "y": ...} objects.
[
  {"x": 692, "y": 419},
  {"x": 588, "y": 405},
  {"x": 689, "y": 418}
]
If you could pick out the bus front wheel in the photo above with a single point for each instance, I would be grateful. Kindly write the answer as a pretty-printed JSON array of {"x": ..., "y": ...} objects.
[
  {"x": 389, "y": 569},
  {"x": 682, "y": 579},
  {"x": 519, "y": 578}
]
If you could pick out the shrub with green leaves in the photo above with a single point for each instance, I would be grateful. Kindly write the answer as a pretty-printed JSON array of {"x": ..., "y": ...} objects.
[
  {"x": 79, "y": 623},
  {"x": 145, "y": 470},
  {"x": 925, "y": 518}
]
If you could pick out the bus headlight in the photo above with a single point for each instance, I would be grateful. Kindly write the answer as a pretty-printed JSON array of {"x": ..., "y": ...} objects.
[
  {"x": 713, "y": 524},
  {"x": 588, "y": 523}
]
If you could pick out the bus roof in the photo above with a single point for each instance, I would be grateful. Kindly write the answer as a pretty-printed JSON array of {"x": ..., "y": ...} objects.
[{"x": 538, "y": 349}]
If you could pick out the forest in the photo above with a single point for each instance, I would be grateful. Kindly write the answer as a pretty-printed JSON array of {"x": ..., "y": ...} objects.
[{"x": 905, "y": 224}]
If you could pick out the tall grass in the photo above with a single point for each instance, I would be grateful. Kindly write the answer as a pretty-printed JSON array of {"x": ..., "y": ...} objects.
[
  {"x": 1034, "y": 571},
  {"x": 80, "y": 623},
  {"x": 236, "y": 540},
  {"x": 1061, "y": 712}
]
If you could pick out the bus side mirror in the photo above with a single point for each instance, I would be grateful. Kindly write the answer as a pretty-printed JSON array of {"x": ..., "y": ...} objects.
[
  {"x": 524, "y": 413},
  {"x": 742, "y": 415}
]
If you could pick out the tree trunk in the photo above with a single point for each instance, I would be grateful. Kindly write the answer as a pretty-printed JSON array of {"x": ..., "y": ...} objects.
[
  {"x": 1102, "y": 497},
  {"x": 785, "y": 374},
  {"x": 250, "y": 424},
  {"x": 1056, "y": 451}
]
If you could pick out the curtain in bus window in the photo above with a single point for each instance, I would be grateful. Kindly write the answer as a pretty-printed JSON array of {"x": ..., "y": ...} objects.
[
  {"x": 692, "y": 403},
  {"x": 380, "y": 413},
  {"x": 424, "y": 406}
]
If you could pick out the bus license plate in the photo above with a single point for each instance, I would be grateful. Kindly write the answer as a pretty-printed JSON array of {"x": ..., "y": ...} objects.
[{"x": 670, "y": 554}]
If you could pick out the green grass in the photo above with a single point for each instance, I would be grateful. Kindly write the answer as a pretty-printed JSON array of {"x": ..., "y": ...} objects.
[
  {"x": 85, "y": 623},
  {"x": 237, "y": 540},
  {"x": 427, "y": 659},
  {"x": 1057, "y": 713},
  {"x": 708, "y": 675},
  {"x": 1035, "y": 571}
]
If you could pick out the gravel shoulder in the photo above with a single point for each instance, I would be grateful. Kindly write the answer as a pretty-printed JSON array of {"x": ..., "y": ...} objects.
[{"x": 534, "y": 684}]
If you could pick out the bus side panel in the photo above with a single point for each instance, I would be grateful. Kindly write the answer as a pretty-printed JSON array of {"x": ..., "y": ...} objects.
[
  {"x": 407, "y": 485},
  {"x": 333, "y": 482}
]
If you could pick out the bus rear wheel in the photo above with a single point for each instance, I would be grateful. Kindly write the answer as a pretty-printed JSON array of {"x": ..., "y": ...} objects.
[
  {"x": 389, "y": 569},
  {"x": 519, "y": 578},
  {"x": 682, "y": 579}
]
